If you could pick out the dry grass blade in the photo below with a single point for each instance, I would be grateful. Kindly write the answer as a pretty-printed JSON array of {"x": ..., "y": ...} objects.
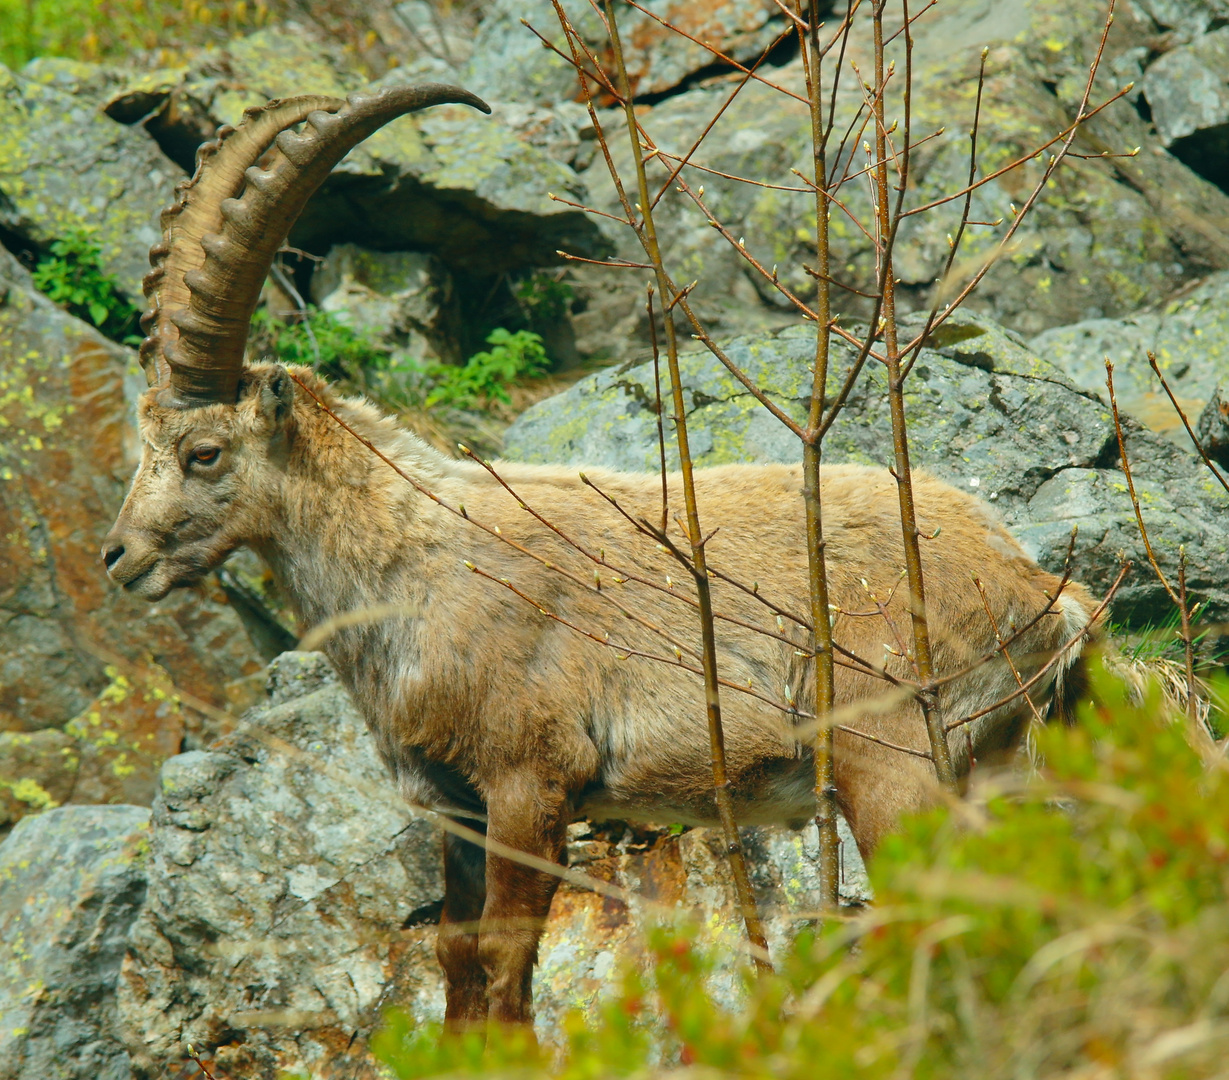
[{"x": 321, "y": 633}]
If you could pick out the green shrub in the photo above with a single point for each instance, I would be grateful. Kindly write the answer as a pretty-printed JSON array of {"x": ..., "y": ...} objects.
[
  {"x": 348, "y": 355},
  {"x": 486, "y": 376},
  {"x": 1074, "y": 925},
  {"x": 319, "y": 340},
  {"x": 72, "y": 276}
]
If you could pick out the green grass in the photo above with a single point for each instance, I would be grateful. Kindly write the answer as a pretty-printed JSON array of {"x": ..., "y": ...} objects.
[
  {"x": 114, "y": 29},
  {"x": 322, "y": 341}
]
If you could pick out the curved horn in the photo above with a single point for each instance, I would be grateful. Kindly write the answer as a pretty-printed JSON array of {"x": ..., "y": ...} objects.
[{"x": 221, "y": 236}]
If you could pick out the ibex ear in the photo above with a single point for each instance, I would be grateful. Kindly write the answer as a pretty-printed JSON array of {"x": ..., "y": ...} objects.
[{"x": 276, "y": 396}]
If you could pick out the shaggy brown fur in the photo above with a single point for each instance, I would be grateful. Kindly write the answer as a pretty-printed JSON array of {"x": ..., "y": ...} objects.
[{"x": 487, "y": 709}]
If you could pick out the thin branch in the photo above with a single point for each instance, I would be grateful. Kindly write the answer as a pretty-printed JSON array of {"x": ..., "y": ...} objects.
[
  {"x": 985, "y": 601},
  {"x": 909, "y": 21},
  {"x": 587, "y": 209},
  {"x": 728, "y": 176},
  {"x": 954, "y": 244},
  {"x": 1186, "y": 423},
  {"x": 839, "y": 284},
  {"x": 854, "y": 220},
  {"x": 616, "y": 263},
  {"x": 1024, "y": 159},
  {"x": 707, "y": 128},
  {"x": 1058, "y": 655},
  {"x": 719, "y": 54},
  {"x": 630, "y": 651},
  {"x": 822, "y": 646},
  {"x": 1082, "y": 116},
  {"x": 889, "y": 221},
  {"x": 661, "y": 428},
  {"x": 1019, "y": 632},
  {"x": 1126, "y": 472},
  {"x": 596, "y": 73},
  {"x": 575, "y": 44},
  {"x": 842, "y": 34}
]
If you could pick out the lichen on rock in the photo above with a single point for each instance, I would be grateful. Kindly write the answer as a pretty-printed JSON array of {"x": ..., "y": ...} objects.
[
  {"x": 65, "y": 165},
  {"x": 71, "y": 883}
]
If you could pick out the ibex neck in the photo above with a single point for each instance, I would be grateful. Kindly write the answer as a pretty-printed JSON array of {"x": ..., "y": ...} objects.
[{"x": 345, "y": 532}]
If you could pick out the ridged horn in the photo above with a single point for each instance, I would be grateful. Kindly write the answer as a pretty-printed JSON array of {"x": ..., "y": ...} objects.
[{"x": 228, "y": 222}]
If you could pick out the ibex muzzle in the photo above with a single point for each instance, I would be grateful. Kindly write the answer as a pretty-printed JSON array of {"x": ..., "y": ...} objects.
[{"x": 491, "y": 706}]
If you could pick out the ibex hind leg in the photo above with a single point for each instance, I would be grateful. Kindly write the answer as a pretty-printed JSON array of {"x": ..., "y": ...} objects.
[
  {"x": 457, "y": 944},
  {"x": 877, "y": 785},
  {"x": 525, "y": 812}
]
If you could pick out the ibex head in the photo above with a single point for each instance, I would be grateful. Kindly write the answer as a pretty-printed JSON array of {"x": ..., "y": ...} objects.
[{"x": 213, "y": 431}]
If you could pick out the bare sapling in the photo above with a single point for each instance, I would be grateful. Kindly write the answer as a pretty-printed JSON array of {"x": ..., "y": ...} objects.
[
  {"x": 1175, "y": 590},
  {"x": 826, "y": 808},
  {"x": 887, "y": 171},
  {"x": 695, "y": 537}
]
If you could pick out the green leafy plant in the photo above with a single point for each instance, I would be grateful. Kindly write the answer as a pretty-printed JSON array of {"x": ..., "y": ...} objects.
[
  {"x": 1073, "y": 925},
  {"x": 72, "y": 275},
  {"x": 320, "y": 340},
  {"x": 350, "y": 356},
  {"x": 486, "y": 375}
]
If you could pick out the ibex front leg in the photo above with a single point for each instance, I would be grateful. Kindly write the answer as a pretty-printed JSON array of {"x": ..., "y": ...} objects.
[
  {"x": 457, "y": 943},
  {"x": 527, "y": 813}
]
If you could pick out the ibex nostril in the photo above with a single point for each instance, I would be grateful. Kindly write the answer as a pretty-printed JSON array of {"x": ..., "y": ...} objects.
[{"x": 112, "y": 555}]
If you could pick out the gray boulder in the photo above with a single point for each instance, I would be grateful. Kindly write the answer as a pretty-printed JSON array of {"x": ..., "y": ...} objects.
[
  {"x": 510, "y": 63},
  {"x": 404, "y": 300},
  {"x": 65, "y": 164},
  {"x": 1213, "y": 429},
  {"x": 985, "y": 414},
  {"x": 1187, "y": 89},
  {"x": 1189, "y": 337},
  {"x": 1107, "y": 236},
  {"x": 471, "y": 189},
  {"x": 1186, "y": 18},
  {"x": 285, "y": 880},
  {"x": 71, "y": 883}
]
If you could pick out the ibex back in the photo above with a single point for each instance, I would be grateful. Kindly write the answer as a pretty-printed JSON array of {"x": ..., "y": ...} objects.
[{"x": 506, "y": 704}]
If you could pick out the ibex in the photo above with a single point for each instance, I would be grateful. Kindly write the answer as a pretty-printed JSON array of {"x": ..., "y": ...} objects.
[{"x": 498, "y": 710}]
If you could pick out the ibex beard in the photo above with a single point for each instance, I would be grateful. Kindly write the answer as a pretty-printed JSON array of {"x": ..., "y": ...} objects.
[{"x": 514, "y": 713}]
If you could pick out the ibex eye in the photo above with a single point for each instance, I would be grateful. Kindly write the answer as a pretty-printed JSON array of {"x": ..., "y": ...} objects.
[{"x": 206, "y": 455}]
